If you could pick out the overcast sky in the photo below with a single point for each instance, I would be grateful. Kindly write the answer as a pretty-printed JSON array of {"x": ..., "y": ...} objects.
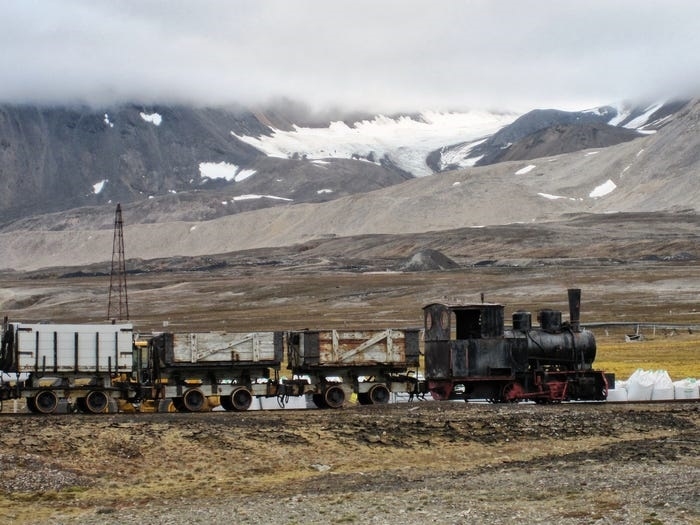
[{"x": 379, "y": 55}]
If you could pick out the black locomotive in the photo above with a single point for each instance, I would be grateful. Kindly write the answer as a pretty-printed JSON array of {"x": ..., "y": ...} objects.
[{"x": 470, "y": 354}]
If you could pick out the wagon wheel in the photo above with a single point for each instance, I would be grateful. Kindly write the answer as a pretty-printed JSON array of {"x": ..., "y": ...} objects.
[
  {"x": 46, "y": 402},
  {"x": 334, "y": 396},
  {"x": 96, "y": 402},
  {"x": 379, "y": 394},
  {"x": 241, "y": 399},
  {"x": 193, "y": 400}
]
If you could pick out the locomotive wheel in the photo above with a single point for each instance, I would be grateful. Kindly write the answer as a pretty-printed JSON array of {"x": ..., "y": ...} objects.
[
  {"x": 241, "y": 399},
  {"x": 193, "y": 400},
  {"x": 46, "y": 402},
  {"x": 96, "y": 402},
  {"x": 334, "y": 396},
  {"x": 319, "y": 401},
  {"x": 379, "y": 395}
]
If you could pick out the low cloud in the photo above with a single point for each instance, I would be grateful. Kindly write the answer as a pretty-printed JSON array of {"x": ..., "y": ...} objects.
[{"x": 380, "y": 56}]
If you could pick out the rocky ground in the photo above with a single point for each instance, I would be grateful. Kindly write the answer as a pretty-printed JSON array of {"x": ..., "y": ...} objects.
[{"x": 424, "y": 462}]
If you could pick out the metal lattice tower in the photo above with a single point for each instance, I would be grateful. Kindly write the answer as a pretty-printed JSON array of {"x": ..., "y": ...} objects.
[{"x": 118, "y": 307}]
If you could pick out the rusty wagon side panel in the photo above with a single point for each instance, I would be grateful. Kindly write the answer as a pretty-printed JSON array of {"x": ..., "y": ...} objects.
[
  {"x": 208, "y": 348},
  {"x": 309, "y": 349}
]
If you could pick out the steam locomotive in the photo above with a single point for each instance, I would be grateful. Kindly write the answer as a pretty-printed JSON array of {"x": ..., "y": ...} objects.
[{"x": 468, "y": 354}]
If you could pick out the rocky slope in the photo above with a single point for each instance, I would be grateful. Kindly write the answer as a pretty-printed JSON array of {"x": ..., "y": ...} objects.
[{"x": 57, "y": 159}]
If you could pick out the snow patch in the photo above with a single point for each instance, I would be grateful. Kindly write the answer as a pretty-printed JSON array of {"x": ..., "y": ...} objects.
[
  {"x": 255, "y": 196},
  {"x": 153, "y": 118},
  {"x": 324, "y": 190},
  {"x": 97, "y": 188},
  {"x": 218, "y": 170},
  {"x": 107, "y": 121},
  {"x": 243, "y": 175},
  {"x": 602, "y": 190},
  {"x": 224, "y": 170},
  {"x": 405, "y": 141},
  {"x": 643, "y": 119},
  {"x": 526, "y": 169},
  {"x": 592, "y": 153},
  {"x": 550, "y": 196}
]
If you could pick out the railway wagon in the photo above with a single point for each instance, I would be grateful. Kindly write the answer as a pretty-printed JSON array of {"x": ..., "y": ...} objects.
[
  {"x": 196, "y": 371},
  {"x": 72, "y": 364},
  {"x": 372, "y": 364},
  {"x": 470, "y": 354}
]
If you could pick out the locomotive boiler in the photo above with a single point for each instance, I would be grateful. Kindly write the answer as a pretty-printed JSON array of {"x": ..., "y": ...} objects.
[{"x": 470, "y": 354}]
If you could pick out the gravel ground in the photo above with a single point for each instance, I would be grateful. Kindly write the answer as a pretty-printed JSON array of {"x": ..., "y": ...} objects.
[{"x": 425, "y": 462}]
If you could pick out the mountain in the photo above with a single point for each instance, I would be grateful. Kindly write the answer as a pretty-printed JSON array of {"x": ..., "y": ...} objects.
[
  {"x": 652, "y": 173},
  {"x": 186, "y": 163},
  {"x": 545, "y": 132},
  {"x": 57, "y": 159}
]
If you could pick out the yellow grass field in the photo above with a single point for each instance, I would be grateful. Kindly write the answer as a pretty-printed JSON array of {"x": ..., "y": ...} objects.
[{"x": 677, "y": 353}]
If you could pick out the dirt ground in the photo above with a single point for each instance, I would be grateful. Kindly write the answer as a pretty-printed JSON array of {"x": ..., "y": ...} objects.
[
  {"x": 423, "y": 462},
  {"x": 432, "y": 462}
]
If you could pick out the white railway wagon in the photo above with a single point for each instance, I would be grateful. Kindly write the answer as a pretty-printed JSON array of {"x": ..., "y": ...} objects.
[{"x": 73, "y": 363}]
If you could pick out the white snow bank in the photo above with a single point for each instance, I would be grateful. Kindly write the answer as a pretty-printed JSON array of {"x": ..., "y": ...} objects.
[
  {"x": 224, "y": 170},
  {"x": 550, "y": 196},
  {"x": 243, "y": 175},
  {"x": 97, "y": 188},
  {"x": 153, "y": 118},
  {"x": 406, "y": 141},
  {"x": 602, "y": 190},
  {"x": 526, "y": 169},
  {"x": 218, "y": 170},
  {"x": 255, "y": 196}
]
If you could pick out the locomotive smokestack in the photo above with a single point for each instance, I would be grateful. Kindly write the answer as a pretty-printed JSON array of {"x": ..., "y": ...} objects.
[{"x": 575, "y": 309}]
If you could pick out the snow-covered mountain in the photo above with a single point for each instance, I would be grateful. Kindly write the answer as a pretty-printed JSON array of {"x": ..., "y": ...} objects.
[{"x": 177, "y": 163}]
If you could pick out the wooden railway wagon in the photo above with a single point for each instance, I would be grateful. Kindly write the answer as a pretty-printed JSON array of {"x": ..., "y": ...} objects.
[
  {"x": 197, "y": 371},
  {"x": 69, "y": 365},
  {"x": 333, "y": 364}
]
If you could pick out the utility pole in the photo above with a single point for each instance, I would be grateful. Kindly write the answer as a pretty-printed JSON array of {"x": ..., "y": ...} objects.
[{"x": 118, "y": 307}]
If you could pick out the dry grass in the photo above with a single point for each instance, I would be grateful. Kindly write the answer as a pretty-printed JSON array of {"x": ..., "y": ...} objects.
[{"x": 677, "y": 353}]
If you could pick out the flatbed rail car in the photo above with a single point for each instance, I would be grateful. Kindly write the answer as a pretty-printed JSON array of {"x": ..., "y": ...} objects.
[
  {"x": 372, "y": 364},
  {"x": 72, "y": 364},
  {"x": 470, "y": 354},
  {"x": 198, "y": 371}
]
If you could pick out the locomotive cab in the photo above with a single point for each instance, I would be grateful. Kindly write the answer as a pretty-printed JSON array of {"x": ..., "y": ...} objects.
[{"x": 465, "y": 345}]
